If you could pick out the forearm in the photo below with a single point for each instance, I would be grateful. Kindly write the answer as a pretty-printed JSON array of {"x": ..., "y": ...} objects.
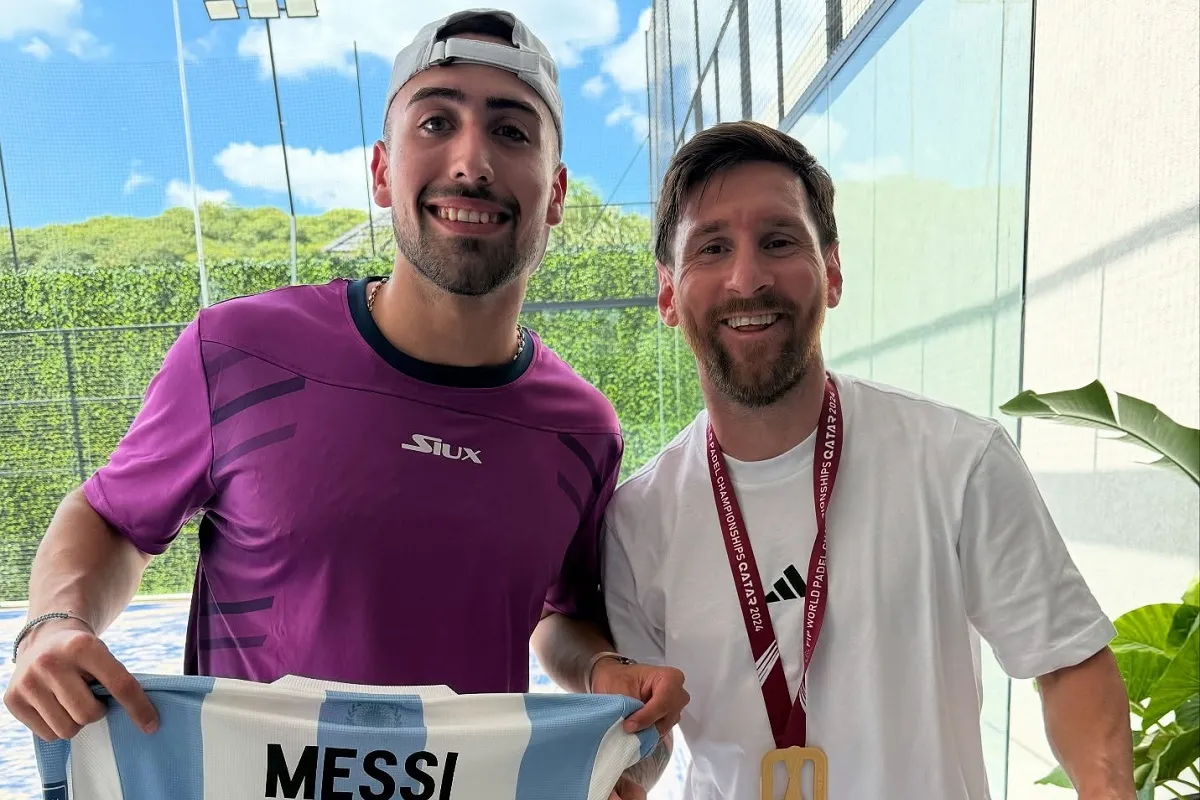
[
  {"x": 564, "y": 647},
  {"x": 646, "y": 772},
  {"x": 83, "y": 566},
  {"x": 1086, "y": 711}
]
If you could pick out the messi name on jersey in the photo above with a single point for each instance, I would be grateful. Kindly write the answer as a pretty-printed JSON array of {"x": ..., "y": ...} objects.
[{"x": 298, "y": 738}]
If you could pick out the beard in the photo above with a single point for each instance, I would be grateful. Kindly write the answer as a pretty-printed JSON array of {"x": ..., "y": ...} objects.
[
  {"x": 756, "y": 378},
  {"x": 464, "y": 265}
]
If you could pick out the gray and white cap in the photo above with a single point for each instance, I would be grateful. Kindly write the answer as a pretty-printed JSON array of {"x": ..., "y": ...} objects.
[{"x": 528, "y": 58}]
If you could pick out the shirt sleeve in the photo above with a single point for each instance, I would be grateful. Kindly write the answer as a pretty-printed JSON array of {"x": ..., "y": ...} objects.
[
  {"x": 159, "y": 475},
  {"x": 1023, "y": 592},
  {"x": 634, "y": 635},
  {"x": 577, "y": 592}
]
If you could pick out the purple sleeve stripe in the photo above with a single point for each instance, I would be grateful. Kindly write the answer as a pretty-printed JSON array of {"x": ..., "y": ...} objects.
[
  {"x": 256, "y": 396},
  {"x": 226, "y": 359},
  {"x": 565, "y": 484},
  {"x": 254, "y": 443},
  {"x": 576, "y": 447},
  {"x": 237, "y": 607}
]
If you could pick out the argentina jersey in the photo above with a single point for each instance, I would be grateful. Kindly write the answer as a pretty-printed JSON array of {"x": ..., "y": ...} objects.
[{"x": 224, "y": 739}]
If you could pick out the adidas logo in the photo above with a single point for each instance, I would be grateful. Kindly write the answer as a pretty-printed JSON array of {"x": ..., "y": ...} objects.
[{"x": 789, "y": 587}]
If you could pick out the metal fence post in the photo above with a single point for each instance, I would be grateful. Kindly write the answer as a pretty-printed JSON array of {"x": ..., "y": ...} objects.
[
  {"x": 12, "y": 234},
  {"x": 833, "y": 25},
  {"x": 699, "y": 68},
  {"x": 74, "y": 403},
  {"x": 362, "y": 126},
  {"x": 743, "y": 8}
]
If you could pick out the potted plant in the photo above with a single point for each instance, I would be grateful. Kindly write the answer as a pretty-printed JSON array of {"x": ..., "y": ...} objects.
[{"x": 1158, "y": 645}]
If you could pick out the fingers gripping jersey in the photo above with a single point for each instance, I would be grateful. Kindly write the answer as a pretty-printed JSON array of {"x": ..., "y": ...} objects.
[{"x": 223, "y": 739}]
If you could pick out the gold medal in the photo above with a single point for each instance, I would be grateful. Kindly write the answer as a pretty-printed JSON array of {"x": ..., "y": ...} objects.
[{"x": 793, "y": 758}]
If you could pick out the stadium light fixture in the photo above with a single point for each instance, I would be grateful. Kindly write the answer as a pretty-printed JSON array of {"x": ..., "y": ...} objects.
[
  {"x": 262, "y": 9},
  {"x": 300, "y": 8},
  {"x": 267, "y": 10},
  {"x": 219, "y": 10}
]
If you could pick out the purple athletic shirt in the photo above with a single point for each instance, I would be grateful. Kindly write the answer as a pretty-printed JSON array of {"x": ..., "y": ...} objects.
[{"x": 367, "y": 517}]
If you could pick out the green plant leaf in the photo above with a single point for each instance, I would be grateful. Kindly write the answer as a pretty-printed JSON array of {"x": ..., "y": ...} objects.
[
  {"x": 1181, "y": 752},
  {"x": 1144, "y": 779},
  {"x": 1056, "y": 777},
  {"x": 1179, "y": 682},
  {"x": 1136, "y": 420},
  {"x": 1142, "y": 648},
  {"x": 1184, "y": 622},
  {"x": 1192, "y": 596},
  {"x": 1188, "y": 713}
]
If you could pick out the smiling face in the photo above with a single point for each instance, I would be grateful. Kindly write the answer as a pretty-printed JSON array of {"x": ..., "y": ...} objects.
[
  {"x": 471, "y": 171},
  {"x": 750, "y": 282}
]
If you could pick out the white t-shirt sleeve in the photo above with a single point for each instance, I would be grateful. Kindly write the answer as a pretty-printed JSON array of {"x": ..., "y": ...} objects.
[
  {"x": 634, "y": 635},
  {"x": 1023, "y": 592}
]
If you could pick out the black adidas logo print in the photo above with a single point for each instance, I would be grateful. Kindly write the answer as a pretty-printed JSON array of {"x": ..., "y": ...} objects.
[{"x": 789, "y": 587}]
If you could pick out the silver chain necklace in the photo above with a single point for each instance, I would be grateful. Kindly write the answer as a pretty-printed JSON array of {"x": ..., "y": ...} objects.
[{"x": 371, "y": 309}]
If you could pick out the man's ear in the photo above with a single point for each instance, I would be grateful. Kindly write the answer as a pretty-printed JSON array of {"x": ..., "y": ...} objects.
[
  {"x": 381, "y": 191},
  {"x": 558, "y": 195},
  {"x": 666, "y": 295},
  {"x": 833, "y": 276}
]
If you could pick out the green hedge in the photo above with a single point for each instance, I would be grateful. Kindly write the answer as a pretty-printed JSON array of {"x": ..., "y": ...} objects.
[{"x": 66, "y": 397}]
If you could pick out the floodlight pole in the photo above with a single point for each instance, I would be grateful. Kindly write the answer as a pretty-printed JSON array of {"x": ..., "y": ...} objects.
[
  {"x": 187, "y": 136},
  {"x": 283, "y": 143},
  {"x": 12, "y": 235}
]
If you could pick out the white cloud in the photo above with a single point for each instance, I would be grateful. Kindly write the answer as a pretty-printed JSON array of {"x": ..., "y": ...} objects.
[
  {"x": 382, "y": 27},
  {"x": 57, "y": 20},
  {"x": 594, "y": 86},
  {"x": 637, "y": 120},
  {"x": 135, "y": 181},
  {"x": 179, "y": 193},
  {"x": 320, "y": 179},
  {"x": 37, "y": 48},
  {"x": 626, "y": 63},
  {"x": 202, "y": 46}
]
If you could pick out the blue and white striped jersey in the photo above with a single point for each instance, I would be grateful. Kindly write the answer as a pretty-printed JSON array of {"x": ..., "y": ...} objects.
[{"x": 222, "y": 739}]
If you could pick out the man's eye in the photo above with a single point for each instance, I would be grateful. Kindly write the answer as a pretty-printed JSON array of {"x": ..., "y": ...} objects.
[
  {"x": 777, "y": 243},
  {"x": 711, "y": 249},
  {"x": 435, "y": 124},
  {"x": 512, "y": 132}
]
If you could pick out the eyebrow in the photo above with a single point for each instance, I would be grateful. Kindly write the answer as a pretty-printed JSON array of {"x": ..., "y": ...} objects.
[
  {"x": 718, "y": 225},
  {"x": 458, "y": 96}
]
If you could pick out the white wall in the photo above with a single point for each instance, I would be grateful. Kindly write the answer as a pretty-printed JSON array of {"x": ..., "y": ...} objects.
[{"x": 1114, "y": 293}]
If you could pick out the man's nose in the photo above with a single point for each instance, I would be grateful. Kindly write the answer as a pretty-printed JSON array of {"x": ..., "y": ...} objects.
[
  {"x": 472, "y": 159},
  {"x": 748, "y": 274}
]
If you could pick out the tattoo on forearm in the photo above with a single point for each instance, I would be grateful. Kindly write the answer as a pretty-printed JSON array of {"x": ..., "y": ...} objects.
[{"x": 647, "y": 771}]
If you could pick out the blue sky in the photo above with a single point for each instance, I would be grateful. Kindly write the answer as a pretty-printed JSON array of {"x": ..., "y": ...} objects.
[{"x": 91, "y": 118}]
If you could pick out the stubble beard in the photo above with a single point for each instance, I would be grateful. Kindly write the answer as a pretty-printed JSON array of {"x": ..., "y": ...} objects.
[
  {"x": 757, "y": 379},
  {"x": 464, "y": 265}
]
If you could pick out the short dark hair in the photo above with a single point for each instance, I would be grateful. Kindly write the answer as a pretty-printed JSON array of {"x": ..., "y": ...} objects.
[{"x": 731, "y": 144}]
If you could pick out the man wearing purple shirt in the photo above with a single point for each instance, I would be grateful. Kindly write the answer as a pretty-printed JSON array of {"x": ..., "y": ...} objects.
[{"x": 397, "y": 484}]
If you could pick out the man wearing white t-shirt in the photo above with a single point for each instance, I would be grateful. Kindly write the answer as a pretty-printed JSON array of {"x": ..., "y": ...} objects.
[{"x": 813, "y": 517}]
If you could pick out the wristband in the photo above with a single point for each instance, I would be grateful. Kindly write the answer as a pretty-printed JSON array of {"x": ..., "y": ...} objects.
[
  {"x": 596, "y": 659},
  {"x": 33, "y": 623}
]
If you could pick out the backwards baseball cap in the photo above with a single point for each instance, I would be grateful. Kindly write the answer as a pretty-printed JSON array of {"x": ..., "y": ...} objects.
[{"x": 527, "y": 58}]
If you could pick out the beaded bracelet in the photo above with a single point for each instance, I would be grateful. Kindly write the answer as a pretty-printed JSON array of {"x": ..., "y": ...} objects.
[{"x": 33, "y": 623}]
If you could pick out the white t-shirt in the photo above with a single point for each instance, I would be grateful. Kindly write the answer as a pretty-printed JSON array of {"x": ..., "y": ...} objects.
[{"x": 936, "y": 531}]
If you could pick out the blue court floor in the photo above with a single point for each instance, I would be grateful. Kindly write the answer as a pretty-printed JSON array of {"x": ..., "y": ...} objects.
[{"x": 148, "y": 637}]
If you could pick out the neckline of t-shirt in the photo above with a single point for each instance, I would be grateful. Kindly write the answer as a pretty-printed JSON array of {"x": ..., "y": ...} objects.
[
  {"x": 486, "y": 377},
  {"x": 791, "y": 463}
]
